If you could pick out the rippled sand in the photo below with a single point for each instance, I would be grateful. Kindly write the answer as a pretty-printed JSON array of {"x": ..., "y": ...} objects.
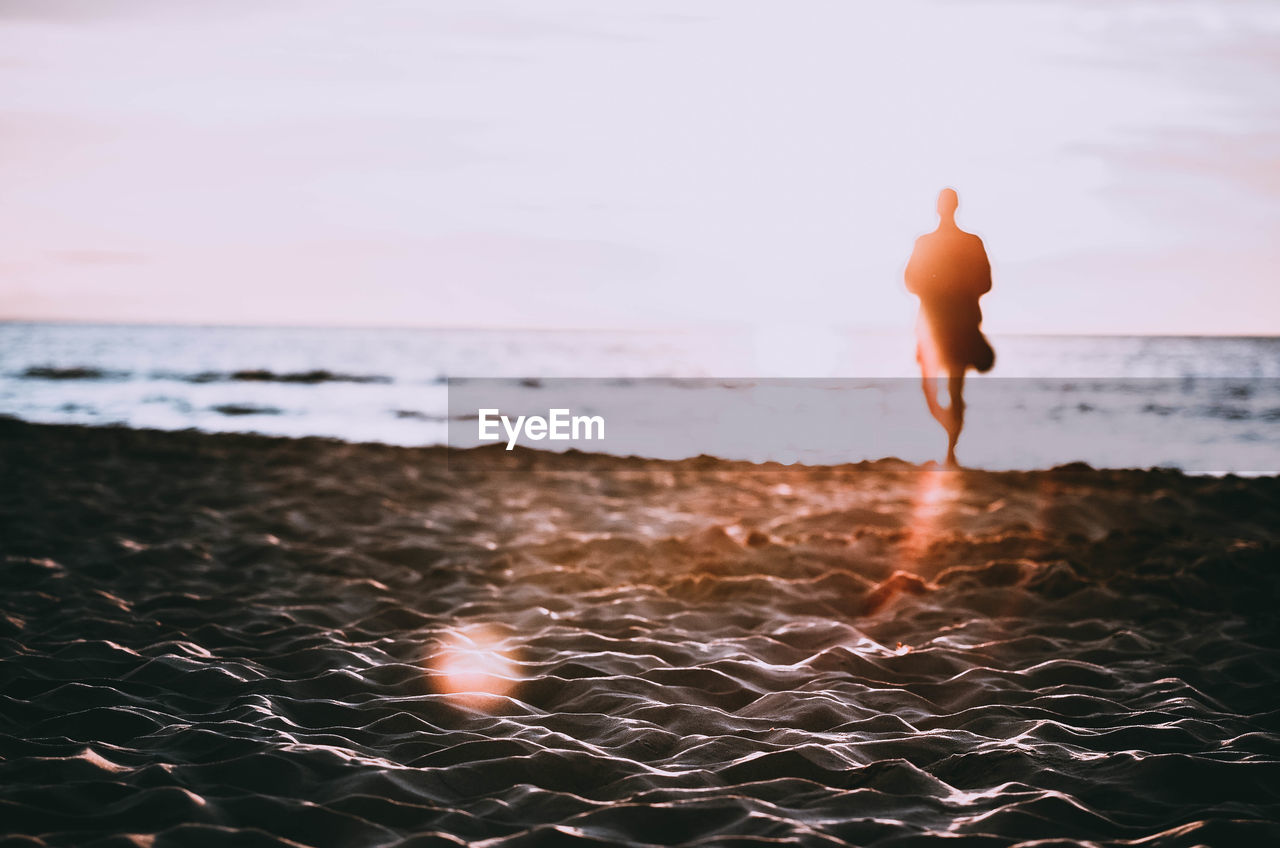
[{"x": 232, "y": 640}]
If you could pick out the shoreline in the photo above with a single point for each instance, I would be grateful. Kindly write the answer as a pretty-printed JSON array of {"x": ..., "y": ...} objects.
[{"x": 524, "y": 458}]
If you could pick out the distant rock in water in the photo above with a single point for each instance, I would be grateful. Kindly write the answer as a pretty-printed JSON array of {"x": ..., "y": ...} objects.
[
  {"x": 245, "y": 409},
  {"x": 80, "y": 372},
  {"x": 261, "y": 375},
  {"x": 417, "y": 415}
]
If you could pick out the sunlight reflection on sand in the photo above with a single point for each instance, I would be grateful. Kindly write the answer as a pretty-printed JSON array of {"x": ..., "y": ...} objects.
[{"x": 931, "y": 504}]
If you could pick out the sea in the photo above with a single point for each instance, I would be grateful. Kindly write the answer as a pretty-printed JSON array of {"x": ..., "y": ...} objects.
[{"x": 1199, "y": 404}]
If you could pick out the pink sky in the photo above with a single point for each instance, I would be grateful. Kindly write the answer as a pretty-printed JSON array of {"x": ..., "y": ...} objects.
[{"x": 637, "y": 164}]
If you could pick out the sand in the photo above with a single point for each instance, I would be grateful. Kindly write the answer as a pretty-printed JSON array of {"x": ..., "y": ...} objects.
[{"x": 236, "y": 640}]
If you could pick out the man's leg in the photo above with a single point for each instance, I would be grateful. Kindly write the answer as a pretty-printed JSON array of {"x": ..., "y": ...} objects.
[
  {"x": 926, "y": 355},
  {"x": 929, "y": 385},
  {"x": 955, "y": 384}
]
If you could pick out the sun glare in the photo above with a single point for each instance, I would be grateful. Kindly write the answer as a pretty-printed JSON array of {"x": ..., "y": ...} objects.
[{"x": 472, "y": 660}]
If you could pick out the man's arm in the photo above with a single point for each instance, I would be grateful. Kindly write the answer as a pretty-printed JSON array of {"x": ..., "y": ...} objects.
[
  {"x": 916, "y": 275},
  {"x": 981, "y": 278}
]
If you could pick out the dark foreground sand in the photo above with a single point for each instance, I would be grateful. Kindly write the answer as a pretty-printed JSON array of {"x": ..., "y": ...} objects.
[{"x": 229, "y": 640}]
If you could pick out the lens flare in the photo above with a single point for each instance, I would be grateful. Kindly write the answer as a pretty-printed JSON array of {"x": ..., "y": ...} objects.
[{"x": 473, "y": 661}]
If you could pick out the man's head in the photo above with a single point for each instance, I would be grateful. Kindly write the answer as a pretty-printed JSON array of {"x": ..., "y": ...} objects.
[{"x": 948, "y": 200}]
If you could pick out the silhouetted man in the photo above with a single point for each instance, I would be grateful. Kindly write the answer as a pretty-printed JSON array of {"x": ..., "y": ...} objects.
[{"x": 949, "y": 271}]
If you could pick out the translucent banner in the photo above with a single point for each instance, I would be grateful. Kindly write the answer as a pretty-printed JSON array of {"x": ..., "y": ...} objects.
[{"x": 1208, "y": 426}]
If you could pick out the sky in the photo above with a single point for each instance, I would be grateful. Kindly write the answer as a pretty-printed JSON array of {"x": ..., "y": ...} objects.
[{"x": 573, "y": 163}]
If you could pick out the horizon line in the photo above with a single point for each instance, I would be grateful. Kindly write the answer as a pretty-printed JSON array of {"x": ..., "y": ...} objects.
[{"x": 726, "y": 327}]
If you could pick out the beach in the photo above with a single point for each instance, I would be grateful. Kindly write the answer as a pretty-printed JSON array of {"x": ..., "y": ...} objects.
[
  {"x": 231, "y": 639},
  {"x": 716, "y": 425}
]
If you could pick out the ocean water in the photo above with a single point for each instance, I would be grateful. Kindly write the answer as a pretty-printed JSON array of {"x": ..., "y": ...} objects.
[{"x": 1200, "y": 404}]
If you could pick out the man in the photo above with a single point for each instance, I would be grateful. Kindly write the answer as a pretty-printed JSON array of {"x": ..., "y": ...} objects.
[{"x": 949, "y": 271}]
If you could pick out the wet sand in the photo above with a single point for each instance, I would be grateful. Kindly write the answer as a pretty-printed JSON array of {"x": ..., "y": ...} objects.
[{"x": 236, "y": 640}]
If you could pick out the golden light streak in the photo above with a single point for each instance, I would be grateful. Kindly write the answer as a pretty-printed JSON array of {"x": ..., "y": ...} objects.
[{"x": 930, "y": 506}]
